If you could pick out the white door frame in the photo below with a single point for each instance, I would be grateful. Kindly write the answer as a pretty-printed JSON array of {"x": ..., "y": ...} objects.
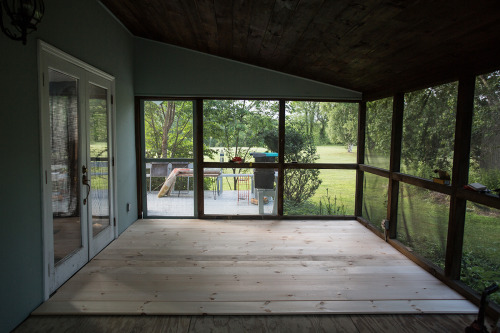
[{"x": 51, "y": 57}]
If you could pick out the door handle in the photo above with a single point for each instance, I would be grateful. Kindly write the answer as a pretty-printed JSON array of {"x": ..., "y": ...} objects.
[{"x": 86, "y": 182}]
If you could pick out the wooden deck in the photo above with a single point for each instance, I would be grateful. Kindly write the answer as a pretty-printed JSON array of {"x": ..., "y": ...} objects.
[
  {"x": 248, "y": 267},
  {"x": 182, "y": 204}
]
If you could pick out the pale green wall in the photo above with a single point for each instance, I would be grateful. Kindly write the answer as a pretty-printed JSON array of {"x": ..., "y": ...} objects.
[
  {"x": 166, "y": 70},
  {"x": 85, "y": 30}
]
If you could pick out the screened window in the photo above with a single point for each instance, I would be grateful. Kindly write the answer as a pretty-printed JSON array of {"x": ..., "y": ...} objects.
[
  {"x": 375, "y": 199},
  {"x": 238, "y": 129},
  {"x": 423, "y": 222},
  {"x": 481, "y": 250},
  {"x": 319, "y": 192},
  {"x": 321, "y": 132},
  {"x": 485, "y": 140},
  {"x": 168, "y": 157},
  {"x": 378, "y": 133},
  {"x": 429, "y": 131}
]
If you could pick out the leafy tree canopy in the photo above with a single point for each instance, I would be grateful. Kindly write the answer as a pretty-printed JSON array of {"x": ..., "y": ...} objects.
[{"x": 342, "y": 123}]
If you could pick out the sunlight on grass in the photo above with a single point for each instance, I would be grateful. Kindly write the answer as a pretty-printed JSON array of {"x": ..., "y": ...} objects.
[{"x": 336, "y": 154}]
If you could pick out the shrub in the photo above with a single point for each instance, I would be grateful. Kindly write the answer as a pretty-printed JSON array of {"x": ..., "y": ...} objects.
[{"x": 300, "y": 184}]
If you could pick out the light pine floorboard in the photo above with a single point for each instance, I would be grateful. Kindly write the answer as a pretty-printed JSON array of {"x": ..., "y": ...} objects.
[{"x": 249, "y": 267}]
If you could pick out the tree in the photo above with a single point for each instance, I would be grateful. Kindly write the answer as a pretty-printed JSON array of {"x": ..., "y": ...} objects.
[
  {"x": 342, "y": 123},
  {"x": 485, "y": 141},
  {"x": 238, "y": 125},
  {"x": 168, "y": 129},
  {"x": 378, "y": 127},
  {"x": 429, "y": 130},
  {"x": 322, "y": 121},
  {"x": 168, "y": 112},
  {"x": 98, "y": 120},
  {"x": 313, "y": 118}
]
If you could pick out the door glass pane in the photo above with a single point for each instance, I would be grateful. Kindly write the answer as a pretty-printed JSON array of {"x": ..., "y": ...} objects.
[
  {"x": 99, "y": 163},
  {"x": 63, "y": 105}
]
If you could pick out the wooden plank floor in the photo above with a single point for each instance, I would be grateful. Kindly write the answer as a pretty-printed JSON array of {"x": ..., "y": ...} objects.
[
  {"x": 275, "y": 324},
  {"x": 249, "y": 267}
]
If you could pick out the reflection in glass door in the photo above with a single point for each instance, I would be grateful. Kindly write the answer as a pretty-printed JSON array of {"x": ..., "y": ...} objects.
[
  {"x": 64, "y": 164},
  {"x": 101, "y": 230},
  {"x": 99, "y": 158}
]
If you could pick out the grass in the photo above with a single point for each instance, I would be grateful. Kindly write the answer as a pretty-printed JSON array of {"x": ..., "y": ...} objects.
[
  {"x": 337, "y": 185},
  {"x": 336, "y": 154}
]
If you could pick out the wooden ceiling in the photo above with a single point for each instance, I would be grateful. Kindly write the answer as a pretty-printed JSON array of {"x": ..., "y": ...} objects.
[{"x": 377, "y": 47}]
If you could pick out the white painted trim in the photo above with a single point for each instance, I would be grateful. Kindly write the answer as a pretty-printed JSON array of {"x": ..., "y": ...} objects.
[
  {"x": 43, "y": 46},
  {"x": 114, "y": 158},
  {"x": 45, "y": 234}
]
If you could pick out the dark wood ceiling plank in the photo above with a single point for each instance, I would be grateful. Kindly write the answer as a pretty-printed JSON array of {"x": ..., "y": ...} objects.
[
  {"x": 173, "y": 17},
  {"x": 242, "y": 13},
  {"x": 293, "y": 32},
  {"x": 208, "y": 24},
  {"x": 261, "y": 15},
  {"x": 283, "y": 11},
  {"x": 224, "y": 18},
  {"x": 192, "y": 18},
  {"x": 312, "y": 48},
  {"x": 128, "y": 13}
]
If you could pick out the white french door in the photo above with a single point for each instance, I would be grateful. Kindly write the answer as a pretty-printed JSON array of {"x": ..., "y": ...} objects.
[{"x": 77, "y": 163}]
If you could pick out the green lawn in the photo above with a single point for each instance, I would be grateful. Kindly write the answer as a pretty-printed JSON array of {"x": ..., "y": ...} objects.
[
  {"x": 339, "y": 184},
  {"x": 336, "y": 154}
]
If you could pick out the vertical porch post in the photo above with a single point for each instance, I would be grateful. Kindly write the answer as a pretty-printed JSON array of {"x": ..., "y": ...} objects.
[{"x": 395, "y": 162}]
